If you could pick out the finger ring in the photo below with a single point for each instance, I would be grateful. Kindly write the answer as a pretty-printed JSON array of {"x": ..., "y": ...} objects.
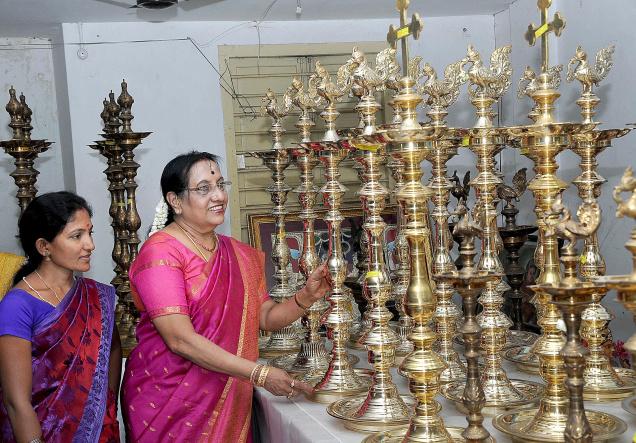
[
  {"x": 293, "y": 383},
  {"x": 290, "y": 395}
]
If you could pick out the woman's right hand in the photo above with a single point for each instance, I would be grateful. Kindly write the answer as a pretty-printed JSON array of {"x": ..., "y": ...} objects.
[{"x": 279, "y": 382}]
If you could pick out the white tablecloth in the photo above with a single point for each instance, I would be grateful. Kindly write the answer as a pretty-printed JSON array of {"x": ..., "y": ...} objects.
[{"x": 280, "y": 420}]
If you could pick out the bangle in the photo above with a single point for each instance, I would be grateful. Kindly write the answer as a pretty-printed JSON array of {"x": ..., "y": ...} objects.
[
  {"x": 36, "y": 440},
  {"x": 262, "y": 376},
  {"x": 255, "y": 370},
  {"x": 304, "y": 308}
]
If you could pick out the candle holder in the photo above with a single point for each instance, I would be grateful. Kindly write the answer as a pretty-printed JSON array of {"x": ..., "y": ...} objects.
[
  {"x": 625, "y": 285},
  {"x": 128, "y": 140},
  {"x": 339, "y": 380},
  {"x": 541, "y": 142},
  {"x": 23, "y": 149},
  {"x": 277, "y": 159},
  {"x": 312, "y": 355},
  {"x": 382, "y": 407},
  {"x": 409, "y": 143},
  {"x": 111, "y": 149},
  {"x": 514, "y": 237},
  {"x": 602, "y": 381},
  {"x": 439, "y": 95},
  {"x": 469, "y": 282},
  {"x": 571, "y": 296},
  {"x": 487, "y": 86}
]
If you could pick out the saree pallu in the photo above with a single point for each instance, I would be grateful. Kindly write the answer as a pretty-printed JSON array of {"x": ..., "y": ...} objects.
[
  {"x": 70, "y": 363},
  {"x": 166, "y": 397}
]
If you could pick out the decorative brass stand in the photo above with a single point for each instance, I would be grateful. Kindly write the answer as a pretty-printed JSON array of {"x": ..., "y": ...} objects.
[
  {"x": 339, "y": 380},
  {"x": 469, "y": 282},
  {"x": 401, "y": 260},
  {"x": 23, "y": 149},
  {"x": 571, "y": 296},
  {"x": 514, "y": 237},
  {"x": 542, "y": 142},
  {"x": 382, "y": 407},
  {"x": 625, "y": 285},
  {"x": 602, "y": 381},
  {"x": 440, "y": 94},
  {"x": 488, "y": 85},
  {"x": 127, "y": 140},
  {"x": 312, "y": 355},
  {"x": 277, "y": 159},
  {"x": 422, "y": 366}
]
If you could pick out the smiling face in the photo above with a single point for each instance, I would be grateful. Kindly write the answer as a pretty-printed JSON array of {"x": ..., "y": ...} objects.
[
  {"x": 71, "y": 249},
  {"x": 202, "y": 210}
]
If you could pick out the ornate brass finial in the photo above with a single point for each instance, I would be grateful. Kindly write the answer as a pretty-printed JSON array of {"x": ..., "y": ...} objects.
[
  {"x": 113, "y": 109},
  {"x": 414, "y": 28},
  {"x": 529, "y": 83},
  {"x": 306, "y": 101},
  {"x": 589, "y": 76},
  {"x": 627, "y": 184},
  {"x": 270, "y": 107},
  {"x": 27, "y": 113},
  {"x": 460, "y": 191},
  {"x": 440, "y": 93},
  {"x": 320, "y": 81},
  {"x": 559, "y": 221},
  {"x": 105, "y": 115},
  {"x": 534, "y": 32},
  {"x": 125, "y": 102},
  {"x": 492, "y": 81},
  {"x": 366, "y": 80},
  {"x": 15, "y": 113},
  {"x": 330, "y": 92},
  {"x": 371, "y": 79},
  {"x": 514, "y": 192}
]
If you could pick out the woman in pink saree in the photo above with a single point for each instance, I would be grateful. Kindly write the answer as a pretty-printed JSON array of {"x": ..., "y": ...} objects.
[{"x": 202, "y": 299}]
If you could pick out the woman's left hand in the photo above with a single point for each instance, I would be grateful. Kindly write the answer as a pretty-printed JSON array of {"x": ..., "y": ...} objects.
[{"x": 318, "y": 283}]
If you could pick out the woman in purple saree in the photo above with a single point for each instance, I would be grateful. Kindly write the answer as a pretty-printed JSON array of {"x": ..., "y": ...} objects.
[
  {"x": 202, "y": 299},
  {"x": 60, "y": 359}
]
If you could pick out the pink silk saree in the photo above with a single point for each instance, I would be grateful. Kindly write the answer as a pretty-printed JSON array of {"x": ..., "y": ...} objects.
[{"x": 164, "y": 396}]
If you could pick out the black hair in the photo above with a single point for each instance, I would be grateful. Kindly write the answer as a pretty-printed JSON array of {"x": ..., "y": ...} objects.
[
  {"x": 174, "y": 177},
  {"x": 45, "y": 217}
]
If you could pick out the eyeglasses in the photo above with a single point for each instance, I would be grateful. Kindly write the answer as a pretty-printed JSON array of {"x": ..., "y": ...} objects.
[{"x": 204, "y": 190}]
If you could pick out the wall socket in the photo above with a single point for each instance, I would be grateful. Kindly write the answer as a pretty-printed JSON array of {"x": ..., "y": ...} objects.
[{"x": 240, "y": 161}]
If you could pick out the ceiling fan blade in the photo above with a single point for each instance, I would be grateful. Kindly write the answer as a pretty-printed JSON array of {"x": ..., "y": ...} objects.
[
  {"x": 117, "y": 3},
  {"x": 190, "y": 5}
]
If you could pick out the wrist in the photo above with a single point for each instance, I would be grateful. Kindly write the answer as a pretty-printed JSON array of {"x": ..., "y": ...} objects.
[{"x": 303, "y": 300}]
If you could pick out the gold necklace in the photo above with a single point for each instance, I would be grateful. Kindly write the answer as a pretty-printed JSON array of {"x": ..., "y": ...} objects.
[
  {"x": 197, "y": 244},
  {"x": 37, "y": 292}
]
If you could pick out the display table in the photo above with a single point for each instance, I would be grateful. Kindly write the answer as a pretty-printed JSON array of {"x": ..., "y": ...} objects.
[{"x": 299, "y": 420}]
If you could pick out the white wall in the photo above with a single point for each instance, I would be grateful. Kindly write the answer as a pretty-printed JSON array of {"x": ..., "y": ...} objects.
[
  {"x": 27, "y": 65},
  {"x": 594, "y": 25},
  {"x": 177, "y": 93}
]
